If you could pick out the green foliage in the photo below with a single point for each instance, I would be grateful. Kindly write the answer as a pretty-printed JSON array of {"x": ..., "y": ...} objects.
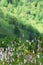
[
  {"x": 21, "y": 27},
  {"x": 1, "y": 14},
  {"x": 9, "y": 1},
  {"x": 3, "y": 3},
  {"x": 24, "y": 16}
]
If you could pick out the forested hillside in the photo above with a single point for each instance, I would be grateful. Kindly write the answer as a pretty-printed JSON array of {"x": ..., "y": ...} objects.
[{"x": 19, "y": 17}]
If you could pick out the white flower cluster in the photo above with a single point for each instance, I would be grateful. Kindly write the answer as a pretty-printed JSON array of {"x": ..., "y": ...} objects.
[{"x": 6, "y": 54}]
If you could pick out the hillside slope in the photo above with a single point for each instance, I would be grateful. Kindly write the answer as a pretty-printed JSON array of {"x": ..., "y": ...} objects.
[{"x": 19, "y": 17}]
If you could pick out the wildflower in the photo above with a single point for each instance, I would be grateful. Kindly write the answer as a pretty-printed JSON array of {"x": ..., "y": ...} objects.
[
  {"x": 19, "y": 55},
  {"x": 23, "y": 35},
  {"x": 39, "y": 47},
  {"x": 13, "y": 49},
  {"x": 27, "y": 41},
  {"x": 6, "y": 50},
  {"x": 1, "y": 59},
  {"x": 0, "y": 52},
  {"x": 2, "y": 49},
  {"x": 40, "y": 63},
  {"x": 38, "y": 56},
  {"x": 3, "y": 63},
  {"x": 21, "y": 63},
  {"x": 33, "y": 52},
  {"x": 19, "y": 41},
  {"x": 30, "y": 58},
  {"x": 25, "y": 61},
  {"x": 9, "y": 64},
  {"x": 13, "y": 59},
  {"x": 32, "y": 41},
  {"x": 4, "y": 56}
]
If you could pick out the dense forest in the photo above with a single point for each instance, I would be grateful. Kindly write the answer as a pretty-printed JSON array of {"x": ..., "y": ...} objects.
[{"x": 21, "y": 32}]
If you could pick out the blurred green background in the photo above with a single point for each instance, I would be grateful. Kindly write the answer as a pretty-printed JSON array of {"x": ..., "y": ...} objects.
[{"x": 18, "y": 17}]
